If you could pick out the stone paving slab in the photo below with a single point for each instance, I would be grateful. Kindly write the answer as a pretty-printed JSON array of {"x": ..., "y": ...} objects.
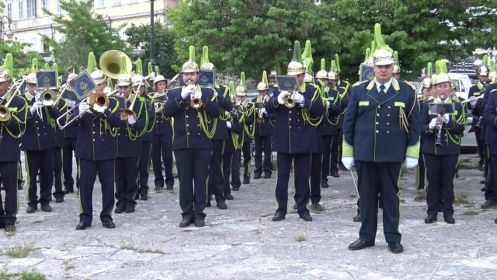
[{"x": 243, "y": 243}]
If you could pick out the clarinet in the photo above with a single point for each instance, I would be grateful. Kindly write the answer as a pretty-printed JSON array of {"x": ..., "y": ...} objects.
[{"x": 441, "y": 112}]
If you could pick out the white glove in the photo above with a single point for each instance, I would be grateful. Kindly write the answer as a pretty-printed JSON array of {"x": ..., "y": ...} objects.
[
  {"x": 299, "y": 98},
  {"x": 433, "y": 123},
  {"x": 215, "y": 93},
  {"x": 83, "y": 107},
  {"x": 446, "y": 118},
  {"x": 263, "y": 110},
  {"x": 187, "y": 91},
  {"x": 473, "y": 102},
  {"x": 70, "y": 103},
  {"x": 107, "y": 90},
  {"x": 131, "y": 120},
  {"x": 37, "y": 105},
  {"x": 228, "y": 124},
  {"x": 328, "y": 104},
  {"x": 348, "y": 162},
  {"x": 282, "y": 96},
  {"x": 411, "y": 162}
]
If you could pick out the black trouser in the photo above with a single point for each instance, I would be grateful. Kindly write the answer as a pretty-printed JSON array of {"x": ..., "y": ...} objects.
[
  {"x": 144, "y": 166},
  {"x": 162, "y": 146},
  {"x": 486, "y": 163},
  {"x": 216, "y": 178},
  {"x": 379, "y": 178},
  {"x": 263, "y": 144},
  {"x": 235, "y": 165},
  {"x": 315, "y": 178},
  {"x": 57, "y": 172},
  {"x": 440, "y": 171},
  {"x": 227, "y": 156},
  {"x": 8, "y": 173},
  {"x": 126, "y": 170},
  {"x": 420, "y": 173},
  {"x": 330, "y": 149},
  {"x": 39, "y": 163},
  {"x": 89, "y": 171},
  {"x": 193, "y": 169},
  {"x": 481, "y": 146},
  {"x": 20, "y": 179},
  {"x": 67, "y": 158},
  {"x": 491, "y": 187},
  {"x": 302, "y": 166}
]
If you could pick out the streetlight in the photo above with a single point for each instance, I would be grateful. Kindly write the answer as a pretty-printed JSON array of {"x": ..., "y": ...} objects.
[
  {"x": 152, "y": 33},
  {"x": 9, "y": 31}
]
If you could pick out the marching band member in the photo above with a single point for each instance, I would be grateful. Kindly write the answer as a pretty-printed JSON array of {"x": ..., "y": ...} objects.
[
  {"x": 12, "y": 127},
  {"x": 380, "y": 130},
  {"x": 69, "y": 147},
  {"x": 193, "y": 108},
  {"x": 295, "y": 136},
  {"x": 162, "y": 143}
]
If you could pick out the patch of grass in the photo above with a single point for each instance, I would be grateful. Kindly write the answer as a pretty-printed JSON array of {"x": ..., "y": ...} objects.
[
  {"x": 462, "y": 199},
  {"x": 33, "y": 275},
  {"x": 129, "y": 246},
  {"x": 301, "y": 238},
  {"x": 421, "y": 196},
  {"x": 20, "y": 251},
  {"x": 471, "y": 213},
  {"x": 67, "y": 265}
]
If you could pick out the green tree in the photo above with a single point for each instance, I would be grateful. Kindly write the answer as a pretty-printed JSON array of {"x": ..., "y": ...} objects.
[
  {"x": 22, "y": 59},
  {"x": 166, "y": 58},
  {"x": 252, "y": 36},
  {"x": 83, "y": 31}
]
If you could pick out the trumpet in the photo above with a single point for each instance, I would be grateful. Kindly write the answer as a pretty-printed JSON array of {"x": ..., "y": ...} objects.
[
  {"x": 5, "y": 114},
  {"x": 289, "y": 101},
  {"x": 196, "y": 102}
]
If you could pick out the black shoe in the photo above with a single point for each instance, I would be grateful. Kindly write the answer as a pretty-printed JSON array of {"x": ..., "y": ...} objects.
[
  {"x": 137, "y": 196},
  {"x": 31, "y": 209},
  {"x": 228, "y": 196},
  {"x": 488, "y": 204},
  {"x": 144, "y": 195},
  {"x": 221, "y": 205},
  {"x": 324, "y": 184},
  {"x": 119, "y": 208},
  {"x": 395, "y": 247},
  {"x": 67, "y": 191},
  {"x": 483, "y": 182},
  {"x": 278, "y": 216},
  {"x": 82, "y": 225},
  {"x": 484, "y": 189},
  {"x": 109, "y": 224},
  {"x": 46, "y": 208},
  {"x": 246, "y": 180},
  {"x": 357, "y": 218},
  {"x": 10, "y": 228},
  {"x": 449, "y": 219},
  {"x": 432, "y": 217},
  {"x": 186, "y": 221},
  {"x": 129, "y": 208},
  {"x": 335, "y": 174},
  {"x": 59, "y": 199},
  {"x": 305, "y": 216},
  {"x": 208, "y": 204},
  {"x": 257, "y": 175},
  {"x": 235, "y": 189},
  {"x": 199, "y": 222},
  {"x": 316, "y": 207},
  {"x": 158, "y": 188},
  {"x": 169, "y": 187},
  {"x": 360, "y": 244}
]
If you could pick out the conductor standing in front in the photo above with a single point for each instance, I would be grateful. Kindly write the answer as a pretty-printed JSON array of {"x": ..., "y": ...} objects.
[{"x": 381, "y": 129}]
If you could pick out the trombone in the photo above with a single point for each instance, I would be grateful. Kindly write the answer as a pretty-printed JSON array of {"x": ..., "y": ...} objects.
[
  {"x": 99, "y": 102},
  {"x": 129, "y": 111},
  {"x": 5, "y": 114}
]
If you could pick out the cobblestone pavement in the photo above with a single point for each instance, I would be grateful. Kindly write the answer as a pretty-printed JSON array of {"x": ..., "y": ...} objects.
[{"x": 243, "y": 243}]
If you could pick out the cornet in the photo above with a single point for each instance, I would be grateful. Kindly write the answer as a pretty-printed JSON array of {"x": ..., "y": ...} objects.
[
  {"x": 196, "y": 101},
  {"x": 289, "y": 101}
]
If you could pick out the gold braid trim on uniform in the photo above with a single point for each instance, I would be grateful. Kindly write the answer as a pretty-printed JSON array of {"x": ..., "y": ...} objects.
[
  {"x": 22, "y": 124},
  {"x": 306, "y": 115}
]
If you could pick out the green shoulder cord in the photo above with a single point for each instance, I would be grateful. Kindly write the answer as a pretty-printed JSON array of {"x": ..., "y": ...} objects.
[
  {"x": 22, "y": 124},
  {"x": 306, "y": 115},
  {"x": 334, "y": 103},
  {"x": 132, "y": 135},
  {"x": 456, "y": 139},
  {"x": 105, "y": 123},
  {"x": 246, "y": 114},
  {"x": 147, "y": 130},
  {"x": 50, "y": 120},
  {"x": 224, "y": 117},
  {"x": 204, "y": 121}
]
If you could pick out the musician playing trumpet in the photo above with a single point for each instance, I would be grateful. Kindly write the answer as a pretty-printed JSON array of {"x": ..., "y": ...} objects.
[
  {"x": 12, "y": 126},
  {"x": 194, "y": 109},
  {"x": 441, "y": 139}
]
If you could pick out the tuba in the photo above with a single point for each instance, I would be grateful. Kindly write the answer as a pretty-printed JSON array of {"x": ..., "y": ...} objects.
[{"x": 109, "y": 63}]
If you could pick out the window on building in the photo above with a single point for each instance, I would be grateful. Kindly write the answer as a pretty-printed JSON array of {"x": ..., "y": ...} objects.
[
  {"x": 116, "y": 2},
  {"x": 31, "y": 8},
  {"x": 59, "y": 9},
  {"x": 20, "y": 6},
  {"x": 9, "y": 9},
  {"x": 99, "y": 4},
  {"x": 44, "y": 5}
]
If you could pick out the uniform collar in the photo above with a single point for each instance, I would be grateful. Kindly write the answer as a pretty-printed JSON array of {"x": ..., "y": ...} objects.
[{"x": 387, "y": 85}]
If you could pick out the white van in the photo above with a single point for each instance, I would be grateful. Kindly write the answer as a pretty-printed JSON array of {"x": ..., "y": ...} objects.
[{"x": 462, "y": 83}]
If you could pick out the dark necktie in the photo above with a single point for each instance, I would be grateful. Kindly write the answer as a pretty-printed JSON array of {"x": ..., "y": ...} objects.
[{"x": 382, "y": 89}]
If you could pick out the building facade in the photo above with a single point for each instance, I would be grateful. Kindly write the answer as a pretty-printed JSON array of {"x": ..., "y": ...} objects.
[{"x": 30, "y": 24}]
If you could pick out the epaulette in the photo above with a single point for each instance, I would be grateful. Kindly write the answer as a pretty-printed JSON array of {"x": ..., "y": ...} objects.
[{"x": 359, "y": 83}]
